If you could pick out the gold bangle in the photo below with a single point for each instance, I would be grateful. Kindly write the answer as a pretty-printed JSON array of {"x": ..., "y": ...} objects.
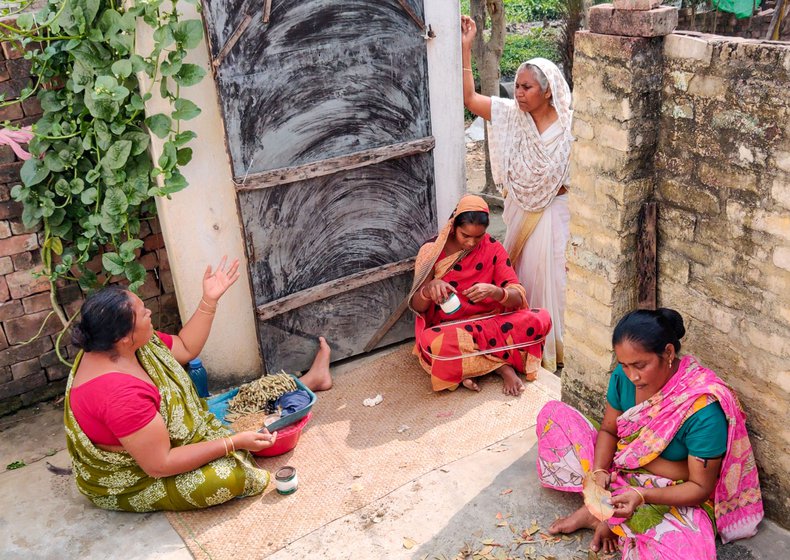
[
  {"x": 208, "y": 304},
  {"x": 226, "y": 446},
  {"x": 422, "y": 293},
  {"x": 468, "y": 70},
  {"x": 503, "y": 301},
  {"x": 206, "y": 312},
  {"x": 233, "y": 445},
  {"x": 596, "y": 471},
  {"x": 635, "y": 489}
]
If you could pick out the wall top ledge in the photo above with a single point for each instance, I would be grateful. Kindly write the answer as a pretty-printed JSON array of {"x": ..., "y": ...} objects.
[{"x": 606, "y": 19}]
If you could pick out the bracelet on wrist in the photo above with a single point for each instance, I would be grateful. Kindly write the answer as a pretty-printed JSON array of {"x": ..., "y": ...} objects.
[
  {"x": 642, "y": 496},
  {"x": 604, "y": 471},
  {"x": 422, "y": 293},
  {"x": 505, "y": 295},
  {"x": 207, "y": 304}
]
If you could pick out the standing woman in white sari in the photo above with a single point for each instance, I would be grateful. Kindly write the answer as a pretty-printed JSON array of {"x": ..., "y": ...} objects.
[{"x": 529, "y": 144}]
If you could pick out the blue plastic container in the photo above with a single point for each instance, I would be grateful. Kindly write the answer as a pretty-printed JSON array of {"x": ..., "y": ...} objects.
[{"x": 199, "y": 377}]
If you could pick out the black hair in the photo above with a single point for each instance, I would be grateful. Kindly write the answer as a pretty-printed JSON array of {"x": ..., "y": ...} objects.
[
  {"x": 106, "y": 317},
  {"x": 652, "y": 330},
  {"x": 474, "y": 217}
]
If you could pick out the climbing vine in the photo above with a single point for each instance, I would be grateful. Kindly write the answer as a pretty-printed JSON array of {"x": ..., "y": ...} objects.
[{"x": 91, "y": 180}]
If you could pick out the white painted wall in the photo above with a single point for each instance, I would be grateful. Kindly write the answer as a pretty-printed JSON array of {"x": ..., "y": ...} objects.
[
  {"x": 201, "y": 224},
  {"x": 447, "y": 103}
]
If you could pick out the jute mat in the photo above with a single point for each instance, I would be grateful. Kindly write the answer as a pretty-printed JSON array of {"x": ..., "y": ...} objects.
[{"x": 351, "y": 455}]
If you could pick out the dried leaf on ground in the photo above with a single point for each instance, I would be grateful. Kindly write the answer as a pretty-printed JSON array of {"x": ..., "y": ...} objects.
[
  {"x": 409, "y": 543},
  {"x": 506, "y": 492},
  {"x": 445, "y": 414}
]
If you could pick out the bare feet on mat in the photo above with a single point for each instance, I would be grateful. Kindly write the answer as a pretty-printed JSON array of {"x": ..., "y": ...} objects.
[
  {"x": 579, "y": 519},
  {"x": 318, "y": 377},
  {"x": 470, "y": 384},
  {"x": 513, "y": 385},
  {"x": 604, "y": 540}
]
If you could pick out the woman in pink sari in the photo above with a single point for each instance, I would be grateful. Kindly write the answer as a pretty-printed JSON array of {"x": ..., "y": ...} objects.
[{"x": 672, "y": 448}]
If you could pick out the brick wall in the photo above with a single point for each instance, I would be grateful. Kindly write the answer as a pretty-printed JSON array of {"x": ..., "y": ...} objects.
[
  {"x": 31, "y": 372},
  {"x": 700, "y": 124}
]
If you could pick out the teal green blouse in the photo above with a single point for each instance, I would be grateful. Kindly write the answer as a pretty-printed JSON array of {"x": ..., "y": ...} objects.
[{"x": 703, "y": 435}]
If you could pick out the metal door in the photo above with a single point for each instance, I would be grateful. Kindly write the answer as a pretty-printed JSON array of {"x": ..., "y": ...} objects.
[{"x": 325, "y": 106}]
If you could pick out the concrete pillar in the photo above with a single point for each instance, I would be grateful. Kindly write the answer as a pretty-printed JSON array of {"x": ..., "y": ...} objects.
[
  {"x": 445, "y": 89},
  {"x": 617, "y": 88},
  {"x": 201, "y": 224}
]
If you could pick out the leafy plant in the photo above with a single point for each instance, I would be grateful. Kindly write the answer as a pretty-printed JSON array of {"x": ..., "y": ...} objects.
[
  {"x": 15, "y": 465},
  {"x": 525, "y": 11},
  {"x": 91, "y": 180}
]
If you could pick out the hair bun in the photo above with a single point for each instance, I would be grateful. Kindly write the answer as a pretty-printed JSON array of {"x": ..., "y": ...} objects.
[
  {"x": 674, "y": 319},
  {"x": 79, "y": 337}
]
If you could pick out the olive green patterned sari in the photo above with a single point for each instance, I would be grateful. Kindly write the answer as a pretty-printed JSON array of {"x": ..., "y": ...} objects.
[{"x": 113, "y": 480}]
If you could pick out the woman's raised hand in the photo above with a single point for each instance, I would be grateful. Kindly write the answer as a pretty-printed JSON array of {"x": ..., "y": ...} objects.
[
  {"x": 468, "y": 31},
  {"x": 217, "y": 282},
  {"x": 438, "y": 290},
  {"x": 479, "y": 292},
  {"x": 254, "y": 441}
]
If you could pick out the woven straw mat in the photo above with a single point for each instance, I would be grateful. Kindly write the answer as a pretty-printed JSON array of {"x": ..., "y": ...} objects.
[{"x": 350, "y": 455}]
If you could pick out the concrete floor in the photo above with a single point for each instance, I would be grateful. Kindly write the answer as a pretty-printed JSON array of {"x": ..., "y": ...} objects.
[{"x": 459, "y": 505}]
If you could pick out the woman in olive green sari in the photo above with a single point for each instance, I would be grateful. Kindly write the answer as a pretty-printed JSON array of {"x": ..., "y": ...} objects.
[{"x": 139, "y": 436}]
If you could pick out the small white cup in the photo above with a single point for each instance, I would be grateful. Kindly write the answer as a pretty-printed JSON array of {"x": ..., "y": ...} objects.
[{"x": 451, "y": 304}]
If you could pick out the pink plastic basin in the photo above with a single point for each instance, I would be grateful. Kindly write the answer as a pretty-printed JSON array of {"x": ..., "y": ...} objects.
[{"x": 287, "y": 438}]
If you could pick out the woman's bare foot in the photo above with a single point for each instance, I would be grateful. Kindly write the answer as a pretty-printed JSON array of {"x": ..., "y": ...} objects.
[
  {"x": 470, "y": 384},
  {"x": 579, "y": 519},
  {"x": 604, "y": 540},
  {"x": 513, "y": 385},
  {"x": 318, "y": 377}
]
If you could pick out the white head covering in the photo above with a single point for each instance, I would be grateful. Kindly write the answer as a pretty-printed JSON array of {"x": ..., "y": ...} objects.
[{"x": 531, "y": 169}]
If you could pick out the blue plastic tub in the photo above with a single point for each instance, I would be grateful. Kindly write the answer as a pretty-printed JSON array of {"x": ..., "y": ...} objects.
[{"x": 218, "y": 405}]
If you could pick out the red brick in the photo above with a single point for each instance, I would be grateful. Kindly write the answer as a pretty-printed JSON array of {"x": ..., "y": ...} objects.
[
  {"x": 11, "y": 309},
  {"x": 145, "y": 230},
  {"x": 155, "y": 227},
  {"x": 25, "y": 351},
  {"x": 36, "y": 303},
  {"x": 4, "y": 73},
  {"x": 164, "y": 261},
  {"x": 149, "y": 260},
  {"x": 20, "y": 386},
  {"x": 604, "y": 19},
  {"x": 44, "y": 392},
  {"x": 7, "y": 155},
  {"x": 13, "y": 88},
  {"x": 5, "y": 374},
  {"x": 10, "y": 51},
  {"x": 23, "y": 283},
  {"x": 24, "y": 328},
  {"x": 3, "y": 341},
  {"x": 154, "y": 241},
  {"x": 58, "y": 371},
  {"x": 5, "y": 229},
  {"x": 10, "y": 209},
  {"x": 18, "y": 228},
  {"x": 19, "y": 68},
  {"x": 166, "y": 279},
  {"x": 26, "y": 260},
  {"x": 150, "y": 287},
  {"x": 18, "y": 244},
  {"x": 6, "y": 266},
  {"x": 5, "y": 295},
  {"x": 31, "y": 107},
  {"x": 23, "y": 369},
  {"x": 11, "y": 112},
  {"x": 51, "y": 358},
  {"x": 5, "y": 190}
]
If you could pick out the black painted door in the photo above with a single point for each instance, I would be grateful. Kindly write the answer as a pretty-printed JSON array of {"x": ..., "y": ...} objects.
[{"x": 325, "y": 106}]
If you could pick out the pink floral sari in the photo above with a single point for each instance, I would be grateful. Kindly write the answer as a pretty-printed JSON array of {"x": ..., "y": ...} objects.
[{"x": 566, "y": 446}]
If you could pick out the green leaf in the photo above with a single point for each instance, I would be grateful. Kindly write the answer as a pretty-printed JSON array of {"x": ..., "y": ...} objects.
[
  {"x": 76, "y": 185},
  {"x": 140, "y": 141},
  {"x": 122, "y": 68},
  {"x": 89, "y": 195},
  {"x": 62, "y": 187},
  {"x": 115, "y": 202},
  {"x": 53, "y": 162},
  {"x": 92, "y": 175},
  {"x": 25, "y": 21},
  {"x": 184, "y": 156},
  {"x": 103, "y": 135},
  {"x": 116, "y": 156},
  {"x": 88, "y": 279},
  {"x": 185, "y": 110},
  {"x": 56, "y": 245},
  {"x": 646, "y": 517},
  {"x": 159, "y": 124},
  {"x": 101, "y": 108},
  {"x": 15, "y": 465},
  {"x": 189, "y": 75},
  {"x": 169, "y": 68},
  {"x": 139, "y": 64},
  {"x": 135, "y": 272},
  {"x": 164, "y": 36},
  {"x": 174, "y": 183},
  {"x": 168, "y": 158},
  {"x": 50, "y": 101},
  {"x": 189, "y": 33},
  {"x": 33, "y": 171},
  {"x": 131, "y": 245},
  {"x": 184, "y": 137},
  {"x": 113, "y": 263}
]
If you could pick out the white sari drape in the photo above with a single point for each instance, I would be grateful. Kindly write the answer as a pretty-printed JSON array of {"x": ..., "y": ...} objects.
[{"x": 530, "y": 167}]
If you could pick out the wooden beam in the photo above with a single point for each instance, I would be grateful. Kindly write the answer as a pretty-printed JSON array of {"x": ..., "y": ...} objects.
[
  {"x": 232, "y": 41},
  {"x": 646, "y": 252},
  {"x": 389, "y": 323},
  {"x": 267, "y": 11},
  {"x": 333, "y": 288},
  {"x": 414, "y": 17},
  {"x": 329, "y": 166}
]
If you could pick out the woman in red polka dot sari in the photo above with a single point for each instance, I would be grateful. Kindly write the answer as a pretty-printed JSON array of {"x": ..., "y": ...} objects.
[{"x": 494, "y": 330}]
